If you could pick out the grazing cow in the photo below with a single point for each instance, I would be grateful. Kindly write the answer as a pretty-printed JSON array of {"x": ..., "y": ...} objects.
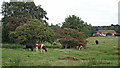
[
  {"x": 40, "y": 46},
  {"x": 80, "y": 46},
  {"x": 97, "y": 42},
  {"x": 28, "y": 45}
]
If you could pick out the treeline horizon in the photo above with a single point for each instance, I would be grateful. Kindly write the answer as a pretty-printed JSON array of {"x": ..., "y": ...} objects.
[{"x": 24, "y": 22}]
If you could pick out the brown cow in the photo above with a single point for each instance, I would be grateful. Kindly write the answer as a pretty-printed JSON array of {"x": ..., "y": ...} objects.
[
  {"x": 81, "y": 46},
  {"x": 40, "y": 46}
]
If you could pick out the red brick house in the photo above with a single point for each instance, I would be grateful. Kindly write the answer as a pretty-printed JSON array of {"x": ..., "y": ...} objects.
[{"x": 104, "y": 32}]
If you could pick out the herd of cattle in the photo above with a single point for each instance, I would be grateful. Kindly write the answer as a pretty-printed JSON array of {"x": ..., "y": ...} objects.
[{"x": 42, "y": 46}]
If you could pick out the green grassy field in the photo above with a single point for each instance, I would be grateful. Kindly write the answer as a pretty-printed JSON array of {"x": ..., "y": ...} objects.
[{"x": 103, "y": 54}]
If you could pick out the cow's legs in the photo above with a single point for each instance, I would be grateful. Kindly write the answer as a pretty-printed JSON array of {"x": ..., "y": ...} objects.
[
  {"x": 31, "y": 49},
  {"x": 41, "y": 50},
  {"x": 36, "y": 49},
  {"x": 79, "y": 48},
  {"x": 27, "y": 49}
]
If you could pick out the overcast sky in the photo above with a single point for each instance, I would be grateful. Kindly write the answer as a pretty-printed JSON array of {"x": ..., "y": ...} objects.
[{"x": 94, "y": 12}]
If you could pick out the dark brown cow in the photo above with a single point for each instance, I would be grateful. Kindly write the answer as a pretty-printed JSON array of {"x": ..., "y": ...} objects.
[
  {"x": 29, "y": 45},
  {"x": 97, "y": 42}
]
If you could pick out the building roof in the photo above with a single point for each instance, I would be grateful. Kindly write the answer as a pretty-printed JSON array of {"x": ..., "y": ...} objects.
[
  {"x": 111, "y": 30},
  {"x": 106, "y": 31},
  {"x": 102, "y": 30}
]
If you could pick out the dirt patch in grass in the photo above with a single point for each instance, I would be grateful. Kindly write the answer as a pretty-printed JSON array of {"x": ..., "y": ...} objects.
[
  {"x": 117, "y": 49},
  {"x": 69, "y": 58},
  {"x": 117, "y": 53}
]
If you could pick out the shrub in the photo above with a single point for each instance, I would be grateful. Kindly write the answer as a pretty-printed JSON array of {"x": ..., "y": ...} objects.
[
  {"x": 12, "y": 46},
  {"x": 70, "y": 37}
]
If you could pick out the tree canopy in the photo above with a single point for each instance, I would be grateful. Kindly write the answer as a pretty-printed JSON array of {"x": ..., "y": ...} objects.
[
  {"x": 18, "y": 13},
  {"x": 76, "y": 23},
  {"x": 33, "y": 31},
  {"x": 23, "y": 9}
]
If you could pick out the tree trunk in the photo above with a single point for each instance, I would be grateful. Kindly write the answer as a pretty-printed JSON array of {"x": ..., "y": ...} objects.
[
  {"x": 65, "y": 46},
  {"x": 52, "y": 45}
]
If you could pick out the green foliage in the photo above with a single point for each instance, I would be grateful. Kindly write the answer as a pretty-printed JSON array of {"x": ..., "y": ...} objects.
[
  {"x": 55, "y": 27},
  {"x": 11, "y": 25},
  {"x": 76, "y": 23},
  {"x": 33, "y": 31},
  {"x": 73, "y": 22},
  {"x": 12, "y": 46},
  {"x": 70, "y": 37},
  {"x": 17, "y": 13},
  {"x": 5, "y": 34},
  {"x": 14, "y": 22},
  {"x": 108, "y": 34},
  {"x": 23, "y": 9}
]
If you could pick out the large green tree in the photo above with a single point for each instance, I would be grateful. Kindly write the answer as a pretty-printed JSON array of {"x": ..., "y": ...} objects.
[
  {"x": 23, "y": 9},
  {"x": 17, "y": 13},
  {"x": 76, "y": 23},
  {"x": 33, "y": 31}
]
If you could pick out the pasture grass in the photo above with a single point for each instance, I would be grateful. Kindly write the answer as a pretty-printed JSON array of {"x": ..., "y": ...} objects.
[{"x": 103, "y": 54}]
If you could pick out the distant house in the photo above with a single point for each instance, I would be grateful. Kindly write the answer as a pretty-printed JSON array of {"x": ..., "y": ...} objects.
[{"x": 104, "y": 32}]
